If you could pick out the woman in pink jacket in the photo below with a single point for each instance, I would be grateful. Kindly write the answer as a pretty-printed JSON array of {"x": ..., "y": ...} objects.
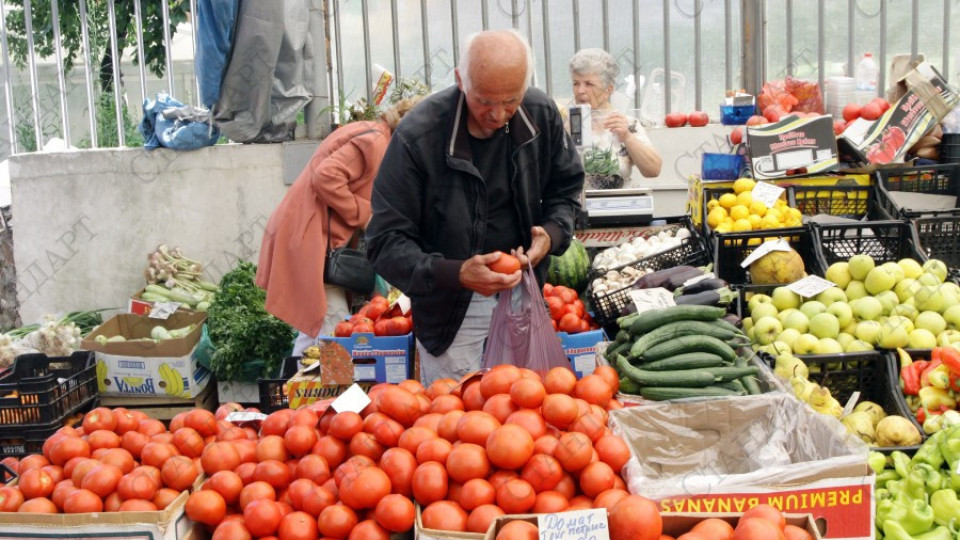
[{"x": 334, "y": 188}]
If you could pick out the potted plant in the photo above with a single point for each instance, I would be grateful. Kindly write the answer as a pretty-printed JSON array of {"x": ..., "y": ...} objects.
[{"x": 601, "y": 167}]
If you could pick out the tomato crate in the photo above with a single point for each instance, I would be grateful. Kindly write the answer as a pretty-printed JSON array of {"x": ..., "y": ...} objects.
[
  {"x": 40, "y": 389},
  {"x": 23, "y": 441},
  {"x": 730, "y": 249},
  {"x": 926, "y": 179},
  {"x": 885, "y": 241},
  {"x": 938, "y": 237},
  {"x": 851, "y": 202},
  {"x": 609, "y": 305},
  {"x": 272, "y": 394}
]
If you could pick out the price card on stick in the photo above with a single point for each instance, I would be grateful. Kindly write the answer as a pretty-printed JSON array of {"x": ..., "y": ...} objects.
[
  {"x": 647, "y": 299},
  {"x": 577, "y": 525},
  {"x": 810, "y": 286},
  {"x": 766, "y": 193}
]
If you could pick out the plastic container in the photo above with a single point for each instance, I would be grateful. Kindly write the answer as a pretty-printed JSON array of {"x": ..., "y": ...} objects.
[
  {"x": 866, "y": 77},
  {"x": 730, "y": 249},
  {"x": 851, "y": 202},
  {"x": 938, "y": 235},
  {"x": 885, "y": 241},
  {"x": 272, "y": 396},
  {"x": 721, "y": 166},
  {"x": 40, "y": 389},
  {"x": 736, "y": 115},
  {"x": 950, "y": 148},
  {"x": 931, "y": 179}
]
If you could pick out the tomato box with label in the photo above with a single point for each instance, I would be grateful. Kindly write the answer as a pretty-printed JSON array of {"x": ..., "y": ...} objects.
[
  {"x": 132, "y": 361},
  {"x": 581, "y": 350}
]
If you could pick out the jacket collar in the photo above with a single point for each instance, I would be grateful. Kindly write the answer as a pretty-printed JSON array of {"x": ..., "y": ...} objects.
[{"x": 521, "y": 126}]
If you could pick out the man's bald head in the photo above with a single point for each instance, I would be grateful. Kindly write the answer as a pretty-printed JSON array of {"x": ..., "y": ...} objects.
[{"x": 500, "y": 53}]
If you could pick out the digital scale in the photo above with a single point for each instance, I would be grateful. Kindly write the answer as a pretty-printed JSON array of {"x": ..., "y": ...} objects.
[{"x": 618, "y": 206}]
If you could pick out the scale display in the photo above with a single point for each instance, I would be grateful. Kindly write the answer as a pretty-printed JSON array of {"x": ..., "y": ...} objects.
[{"x": 618, "y": 206}]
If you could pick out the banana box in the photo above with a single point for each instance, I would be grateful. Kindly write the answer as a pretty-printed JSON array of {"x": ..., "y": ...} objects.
[{"x": 140, "y": 356}]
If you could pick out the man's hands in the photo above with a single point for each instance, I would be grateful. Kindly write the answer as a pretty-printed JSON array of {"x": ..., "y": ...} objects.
[
  {"x": 477, "y": 276},
  {"x": 539, "y": 248}
]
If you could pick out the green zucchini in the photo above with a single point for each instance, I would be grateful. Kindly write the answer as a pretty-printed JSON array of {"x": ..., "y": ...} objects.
[
  {"x": 678, "y": 329},
  {"x": 750, "y": 382},
  {"x": 622, "y": 336},
  {"x": 732, "y": 373},
  {"x": 680, "y": 378},
  {"x": 664, "y": 393},
  {"x": 614, "y": 349},
  {"x": 685, "y": 361},
  {"x": 625, "y": 321},
  {"x": 655, "y": 318},
  {"x": 628, "y": 386},
  {"x": 685, "y": 344}
]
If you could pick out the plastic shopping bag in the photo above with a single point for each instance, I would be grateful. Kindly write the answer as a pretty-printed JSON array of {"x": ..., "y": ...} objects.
[{"x": 520, "y": 330}]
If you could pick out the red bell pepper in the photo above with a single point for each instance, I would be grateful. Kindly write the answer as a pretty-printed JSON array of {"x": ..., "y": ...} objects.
[
  {"x": 950, "y": 358},
  {"x": 910, "y": 378},
  {"x": 954, "y": 382}
]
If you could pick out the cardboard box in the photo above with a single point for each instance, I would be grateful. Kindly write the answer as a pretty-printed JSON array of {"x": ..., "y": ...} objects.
[
  {"x": 149, "y": 368},
  {"x": 581, "y": 350},
  {"x": 728, "y": 455},
  {"x": 677, "y": 523},
  {"x": 362, "y": 358},
  {"x": 421, "y": 533},
  {"x": 139, "y": 306},
  {"x": 807, "y": 145},
  {"x": 927, "y": 99}
]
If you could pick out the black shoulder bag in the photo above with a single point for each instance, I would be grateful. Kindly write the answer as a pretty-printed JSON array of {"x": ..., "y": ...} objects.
[{"x": 348, "y": 268}]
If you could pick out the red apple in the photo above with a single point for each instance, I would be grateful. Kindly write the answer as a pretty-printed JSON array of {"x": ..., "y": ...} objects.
[
  {"x": 676, "y": 120},
  {"x": 851, "y": 112},
  {"x": 736, "y": 136},
  {"x": 757, "y": 120},
  {"x": 871, "y": 111},
  {"x": 698, "y": 119}
]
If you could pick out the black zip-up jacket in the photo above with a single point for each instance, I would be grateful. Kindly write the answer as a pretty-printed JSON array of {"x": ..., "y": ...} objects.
[{"x": 430, "y": 203}]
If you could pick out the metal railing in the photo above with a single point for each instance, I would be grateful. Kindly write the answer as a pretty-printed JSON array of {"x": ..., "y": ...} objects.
[{"x": 681, "y": 54}]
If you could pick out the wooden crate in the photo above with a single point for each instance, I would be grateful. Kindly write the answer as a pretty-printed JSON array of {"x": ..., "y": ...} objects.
[{"x": 165, "y": 408}]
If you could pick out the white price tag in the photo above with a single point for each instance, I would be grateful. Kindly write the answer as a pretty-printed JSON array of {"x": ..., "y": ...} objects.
[
  {"x": 163, "y": 310},
  {"x": 647, "y": 299},
  {"x": 579, "y": 524},
  {"x": 404, "y": 303},
  {"x": 766, "y": 193},
  {"x": 691, "y": 281},
  {"x": 851, "y": 403},
  {"x": 766, "y": 247},
  {"x": 239, "y": 417},
  {"x": 810, "y": 286},
  {"x": 353, "y": 400}
]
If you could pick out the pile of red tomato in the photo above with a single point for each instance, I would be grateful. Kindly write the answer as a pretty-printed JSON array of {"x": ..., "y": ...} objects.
[
  {"x": 508, "y": 442},
  {"x": 376, "y": 317},
  {"x": 567, "y": 312}
]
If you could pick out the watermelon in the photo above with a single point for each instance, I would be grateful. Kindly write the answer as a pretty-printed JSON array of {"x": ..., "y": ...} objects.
[{"x": 570, "y": 269}]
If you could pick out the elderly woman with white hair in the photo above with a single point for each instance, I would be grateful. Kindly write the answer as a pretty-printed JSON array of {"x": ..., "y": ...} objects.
[{"x": 594, "y": 73}]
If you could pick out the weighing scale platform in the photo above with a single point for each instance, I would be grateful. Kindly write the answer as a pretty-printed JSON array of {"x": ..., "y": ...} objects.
[{"x": 618, "y": 207}]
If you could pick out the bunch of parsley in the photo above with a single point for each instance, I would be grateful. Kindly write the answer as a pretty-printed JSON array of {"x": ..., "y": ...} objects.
[{"x": 249, "y": 342}]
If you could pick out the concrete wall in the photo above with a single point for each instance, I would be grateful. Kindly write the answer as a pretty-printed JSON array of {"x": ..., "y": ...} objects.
[{"x": 86, "y": 220}]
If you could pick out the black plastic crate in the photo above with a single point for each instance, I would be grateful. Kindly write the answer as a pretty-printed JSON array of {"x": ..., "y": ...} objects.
[
  {"x": 26, "y": 440},
  {"x": 730, "y": 249},
  {"x": 851, "y": 202},
  {"x": 40, "y": 390},
  {"x": 885, "y": 241},
  {"x": 893, "y": 380},
  {"x": 609, "y": 305},
  {"x": 272, "y": 394},
  {"x": 938, "y": 237},
  {"x": 929, "y": 179}
]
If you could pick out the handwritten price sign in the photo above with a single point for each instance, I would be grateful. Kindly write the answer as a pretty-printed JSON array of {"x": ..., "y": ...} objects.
[{"x": 577, "y": 525}]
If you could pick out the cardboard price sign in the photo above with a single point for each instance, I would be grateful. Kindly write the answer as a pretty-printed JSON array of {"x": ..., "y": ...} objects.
[
  {"x": 579, "y": 524},
  {"x": 766, "y": 247},
  {"x": 766, "y": 193},
  {"x": 163, "y": 310},
  {"x": 647, "y": 299},
  {"x": 810, "y": 286}
]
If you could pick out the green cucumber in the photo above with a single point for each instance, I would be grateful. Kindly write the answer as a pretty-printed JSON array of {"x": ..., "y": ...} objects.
[
  {"x": 695, "y": 378},
  {"x": 628, "y": 386},
  {"x": 677, "y": 329},
  {"x": 750, "y": 382},
  {"x": 625, "y": 321},
  {"x": 732, "y": 373},
  {"x": 614, "y": 349},
  {"x": 693, "y": 360},
  {"x": 664, "y": 393},
  {"x": 686, "y": 344},
  {"x": 655, "y": 318},
  {"x": 622, "y": 336},
  {"x": 734, "y": 385}
]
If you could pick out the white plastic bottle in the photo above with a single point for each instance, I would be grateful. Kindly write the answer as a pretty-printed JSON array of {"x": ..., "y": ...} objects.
[{"x": 866, "y": 76}]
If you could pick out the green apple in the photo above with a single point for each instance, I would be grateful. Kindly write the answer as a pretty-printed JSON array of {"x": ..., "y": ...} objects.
[
  {"x": 905, "y": 288},
  {"x": 786, "y": 313},
  {"x": 905, "y": 310},
  {"x": 784, "y": 298},
  {"x": 911, "y": 268},
  {"x": 894, "y": 269},
  {"x": 845, "y": 339},
  {"x": 766, "y": 330},
  {"x": 807, "y": 344},
  {"x": 952, "y": 316},
  {"x": 824, "y": 325},
  {"x": 922, "y": 338},
  {"x": 860, "y": 266},
  {"x": 842, "y": 311},
  {"x": 867, "y": 308},
  {"x": 858, "y": 345},
  {"x": 752, "y": 334},
  {"x": 899, "y": 321},
  {"x": 789, "y": 336},
  {"x": 831, "y": 295},
  {"x": 868, "y": 331},
  {"x": 797, "y": 321},
  {"x": 812, "y": 307},
  {"x": 854, "y": 290},
  {"x": 839, "y": 274},
  {"x": 928, "y": 298},
  {"x": 747, "y": 323},
  {"x": 830, "y": 346},
  {"x": 950, "y": 297},
  {"x": 758, "y": 299},
  {"x": 879, "y": 279},
  {"x": 936, "y": 267},
  {"x": 762, "y": 310},
  {"x": 949, "y": 337},
  {"x": 850, "y": 328},
  {"x": 893, "y": 335},
  {"x": 930, "y": 279},
  {"x": 931, "y": 321},
  {"x": 889, "y": 300},
  {"x": 949, "y": 285}
]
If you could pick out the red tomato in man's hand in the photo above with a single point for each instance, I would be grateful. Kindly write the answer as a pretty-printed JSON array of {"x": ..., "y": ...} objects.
[{"x": 506, "y": 264}]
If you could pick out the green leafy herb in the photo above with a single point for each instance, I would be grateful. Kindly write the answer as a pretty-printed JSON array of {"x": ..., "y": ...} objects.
[
  {"x": 600, "y": 162},
  {"x": 249, "y": 342}
]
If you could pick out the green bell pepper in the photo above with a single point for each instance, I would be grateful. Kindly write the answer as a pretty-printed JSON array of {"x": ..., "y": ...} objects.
[
  {"x": 877, "y": 462},
  {"x": 933, "y": 480},
  {"x": 893, "y": 530},
  {"x": 914, "y": 516},
  {"x": 949, "y": 445},
  {"x": 902, "y": 463},
  {"x": 914, "y": 485},
  {"x": 883, "y": 477},
  {"x": 946, "y": 506},
  {"x": 931, "y": 452}
]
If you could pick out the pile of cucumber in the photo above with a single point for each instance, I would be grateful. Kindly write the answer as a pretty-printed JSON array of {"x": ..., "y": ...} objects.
[{"x": 679, "y": 352}]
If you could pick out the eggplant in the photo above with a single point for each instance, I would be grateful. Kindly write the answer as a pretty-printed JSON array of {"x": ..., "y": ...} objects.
[
  {"x": 670, "y": 278},
  {"x": 718, "y": 297},
  {"x": 733, "y": 319},
  {"x": 703, "y": 285}
]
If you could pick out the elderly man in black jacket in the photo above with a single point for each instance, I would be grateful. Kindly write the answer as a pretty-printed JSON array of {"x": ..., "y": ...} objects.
[{"x": 481, "y": 167}]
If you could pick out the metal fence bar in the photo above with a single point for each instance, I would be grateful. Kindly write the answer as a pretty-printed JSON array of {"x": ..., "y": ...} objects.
[
  {"x": 914, "y": 29},
  {"x": 636, "y": 53},
  {"x": 851, "y": 14},
  {"x": 605, "y": 9},
  {"x": 143, "y": 69},
  {"x": 424, "y": 25},
  {"x": 789, "y": 18},
  {"x": 194, "y": 27},
  {"x": 667, "y": 72},
  {"x": 697, "y": 61},
  {"x": 514, "y": 16},
  {"x": 165, "y": 11},
  {"x": 88, "y": 73},
  {"x": 115, "y": 61},
  {"x": 485, "y": 14},
  {"x": 946, "y": 40},
  {"x": 395, "y": 26},
  {"x": 547, "y": 67},
  {"x": 61, "y": 82},
  {"x": 32, "y": 66},
  {"x": 576, "y": 25},
  {"x": 337, "y": 69},
  {"x": 7, "y": 82},
  {"x": 882, "y": 76},
  {"x": 455, "y": 30},
  {"x": 365, "y": 16},
  {"x": 727, "y": 44},
  {"x": 820, "y": 34}
]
